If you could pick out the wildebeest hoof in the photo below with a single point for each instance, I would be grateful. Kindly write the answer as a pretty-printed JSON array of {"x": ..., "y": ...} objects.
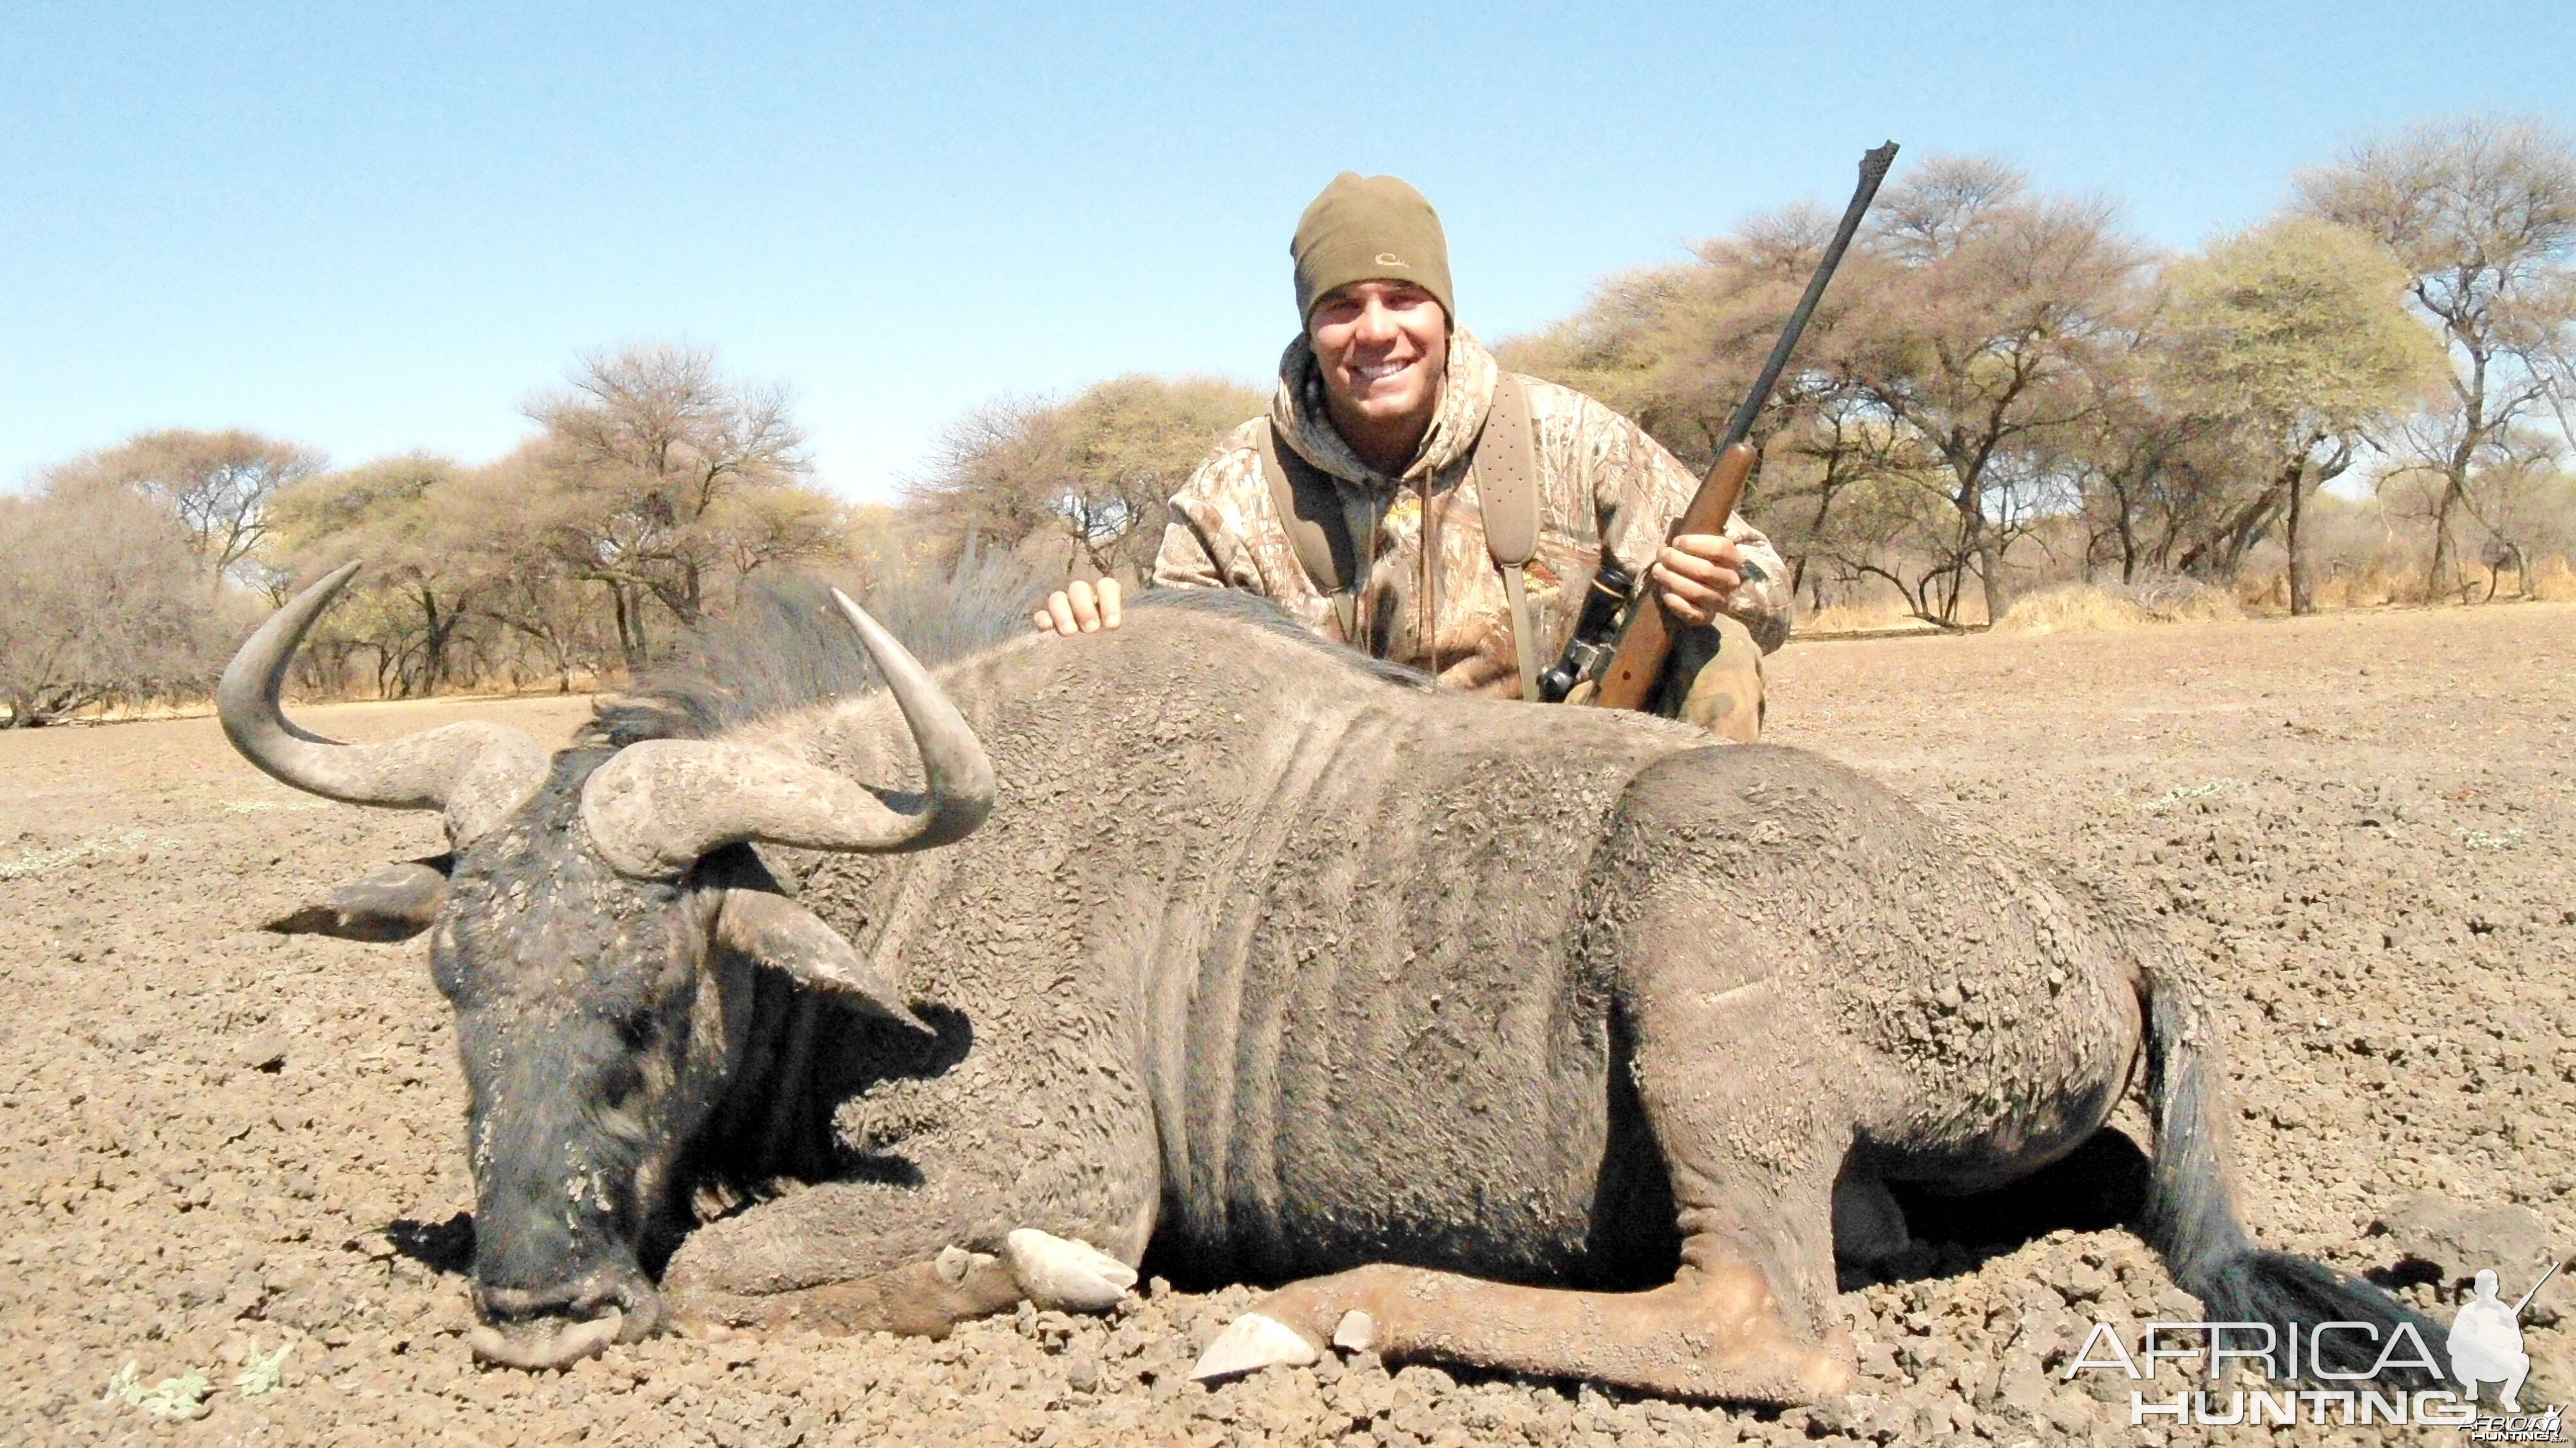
[
  {"x": 546, "y": 1345},
  {"x": 953, "y": 1263},
  {"x": 1356, "y": 1332},
  {"x": 1066, "y": 1275},
  {"x": 1249, "y": 1344}
]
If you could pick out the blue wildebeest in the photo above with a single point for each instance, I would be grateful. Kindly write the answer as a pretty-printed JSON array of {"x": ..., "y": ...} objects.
[{"x": 1540, "y": 1039}]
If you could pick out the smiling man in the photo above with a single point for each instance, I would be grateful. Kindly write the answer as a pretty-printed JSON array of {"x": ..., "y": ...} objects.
[{"x": 1372, "y": 444}]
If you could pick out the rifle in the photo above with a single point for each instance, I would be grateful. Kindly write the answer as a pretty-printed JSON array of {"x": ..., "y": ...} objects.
[
  {"x": 1637, "y": 666},
  {"x": 2536, "y": 1286}
]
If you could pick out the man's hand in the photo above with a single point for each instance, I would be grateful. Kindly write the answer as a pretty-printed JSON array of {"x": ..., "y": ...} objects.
[
  {"x": 1080, "y": 608},
  {"x": 1695, "y": 575}
]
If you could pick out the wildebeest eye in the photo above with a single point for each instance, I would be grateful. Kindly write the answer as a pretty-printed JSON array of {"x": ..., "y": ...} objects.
[{"x": 619, "y": 1085}]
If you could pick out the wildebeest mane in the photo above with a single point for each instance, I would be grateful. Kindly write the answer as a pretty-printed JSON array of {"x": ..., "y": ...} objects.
[{"x": 784, "y": 646}]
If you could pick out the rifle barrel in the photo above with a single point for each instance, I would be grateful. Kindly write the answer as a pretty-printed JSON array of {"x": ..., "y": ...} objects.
[
  {"x": 2535, "y": 1288},
  {"x": 1873, "y": 170}
]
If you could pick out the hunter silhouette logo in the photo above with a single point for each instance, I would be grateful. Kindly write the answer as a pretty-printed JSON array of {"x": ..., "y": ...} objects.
[
  {"x": 2486, "y": 1340},
  {"x": 2484, "y": 1346}
]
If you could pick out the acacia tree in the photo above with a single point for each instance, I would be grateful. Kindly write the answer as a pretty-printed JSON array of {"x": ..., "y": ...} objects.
[
  {"x": 2482, "y": 216},
  {"x": 975, "y": 489},
  {"x": 2526, "y": 501},
  {"x": 1674, "y": 347},
  {"x": 655, "y": 477},
  {"x": 1958, "y": 343},
  {"x": 1981, "y": 338},
  {"x": 2144, "y": 466},
  {"x": 217, "y": 484},
  {"x": 1097, "y": 471},
  {"x": 1831, "y": 443},
  {"x": 397, "y": 513},
  {"x": 101, "y": 597},
  {"x": 2296, "y": 335}
]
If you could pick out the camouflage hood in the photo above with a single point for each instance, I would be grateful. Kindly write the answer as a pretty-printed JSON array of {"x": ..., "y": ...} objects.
[{"x": 1466, "y": 392}]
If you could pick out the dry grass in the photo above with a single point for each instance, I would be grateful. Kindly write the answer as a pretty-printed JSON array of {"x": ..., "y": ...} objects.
[
  {"x": 2074, "y": 608},
  {"x": 2106, "y": 607},
  {"x": 2552, "y": 581},
  {"x": 2373, "y": 588},
  {"x": 1843, "y": 619}
]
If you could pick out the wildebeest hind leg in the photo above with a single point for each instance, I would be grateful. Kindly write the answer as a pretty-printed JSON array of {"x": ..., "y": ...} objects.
[
  {"x": 1714, "y": 1331},
  {"x": 1753, "y": 1130},
  {"x": 1741, "y": 1320}
]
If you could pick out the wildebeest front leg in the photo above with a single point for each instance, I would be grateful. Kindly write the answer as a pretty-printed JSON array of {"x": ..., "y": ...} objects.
[
  {"x": 1064, "y": 1230},
  {"x": 722, "y": 1283},
  {"x": 924, "y": 1299}
]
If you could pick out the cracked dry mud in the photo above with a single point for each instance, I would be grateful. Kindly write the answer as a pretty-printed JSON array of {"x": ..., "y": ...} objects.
[{"x": 220, "y": 1142}]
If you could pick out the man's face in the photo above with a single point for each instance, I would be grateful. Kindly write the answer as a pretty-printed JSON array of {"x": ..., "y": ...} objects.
[{"x": 1382, "y": 347}]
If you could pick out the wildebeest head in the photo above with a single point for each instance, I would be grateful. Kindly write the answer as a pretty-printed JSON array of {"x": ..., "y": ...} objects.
[{"x": 594, "y": 925}]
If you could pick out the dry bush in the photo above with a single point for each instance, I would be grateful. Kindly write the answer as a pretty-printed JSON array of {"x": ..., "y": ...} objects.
[
  {"x": 2369, "y": 587},
  {"x": 1847, "y": 618},
  {"x": 2552, "y": 581},
  {"x": 2107, "y": 607},
  {"x": 2173, "y": 598},
  {"x": 2075, "y": 608},
  {"x": 101, "y": 600}
]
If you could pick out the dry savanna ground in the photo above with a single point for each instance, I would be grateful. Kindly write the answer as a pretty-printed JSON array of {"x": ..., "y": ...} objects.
[{"x": 224, "y": 1146}]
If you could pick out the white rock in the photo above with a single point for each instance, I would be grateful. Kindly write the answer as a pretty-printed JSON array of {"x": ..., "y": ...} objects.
[{"x": 1249, "y": 1344}]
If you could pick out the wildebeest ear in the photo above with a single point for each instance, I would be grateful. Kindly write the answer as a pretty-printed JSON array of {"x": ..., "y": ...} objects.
[
  {"x": 775, "y": 931},
  {"x": 395, "y": 903}
]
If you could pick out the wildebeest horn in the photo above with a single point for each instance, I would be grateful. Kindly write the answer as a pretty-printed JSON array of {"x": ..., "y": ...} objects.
[
  {"x": 659, "y": 805},
  {"x": 476, "y": 772}
]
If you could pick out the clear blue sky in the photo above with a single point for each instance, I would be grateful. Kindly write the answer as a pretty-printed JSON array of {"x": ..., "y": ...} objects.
[{"x": 376, "y": 230}]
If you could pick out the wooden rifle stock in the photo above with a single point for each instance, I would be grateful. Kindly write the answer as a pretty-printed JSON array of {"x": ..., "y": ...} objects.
[{"x": 1628, "y": 680}]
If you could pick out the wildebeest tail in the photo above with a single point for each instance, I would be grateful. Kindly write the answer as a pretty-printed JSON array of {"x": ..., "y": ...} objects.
[{"x": 2191, "y": 1219}]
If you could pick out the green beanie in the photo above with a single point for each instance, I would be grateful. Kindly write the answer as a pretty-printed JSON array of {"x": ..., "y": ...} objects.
[{"x": 1367, "y": 229}]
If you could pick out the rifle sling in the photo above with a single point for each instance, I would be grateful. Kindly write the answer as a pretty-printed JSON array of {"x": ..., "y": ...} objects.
[
  {"x": 1310, "y": 510},
  {"x": 1506, "y": 471}
]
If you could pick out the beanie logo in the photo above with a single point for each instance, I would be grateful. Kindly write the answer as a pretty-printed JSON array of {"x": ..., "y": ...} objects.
[{"x": 1388, "y": 258}]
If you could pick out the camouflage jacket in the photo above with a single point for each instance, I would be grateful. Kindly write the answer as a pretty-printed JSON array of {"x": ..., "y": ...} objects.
[{"x": 1600, "y": 479}]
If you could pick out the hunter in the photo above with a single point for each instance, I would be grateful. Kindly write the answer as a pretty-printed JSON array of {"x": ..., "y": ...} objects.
[{"x": 1385, "y": 405}]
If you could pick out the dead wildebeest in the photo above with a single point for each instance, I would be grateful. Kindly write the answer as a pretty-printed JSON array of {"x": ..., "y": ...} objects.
[{"x": 1268, "y": 955}]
